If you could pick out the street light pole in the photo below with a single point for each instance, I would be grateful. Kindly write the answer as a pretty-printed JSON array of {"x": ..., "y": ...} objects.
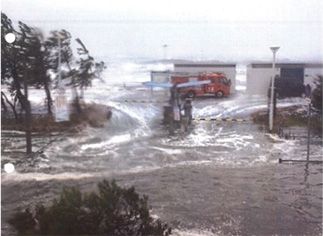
[
  {"x": 61, "y": 109},
  {"x": 274, "y": 49},
  {"x": 27, "y": 110},
  {"x": 165, "y": 51},
  {"x": 308, "y": 130}
]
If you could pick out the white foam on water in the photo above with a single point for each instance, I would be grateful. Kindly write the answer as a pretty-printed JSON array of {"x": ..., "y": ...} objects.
[
  {"x": 285, "y": 148},
  {"x": 194, "y": 232},
  {"x": 168, "y": 151},
  {"x": 112, "y": 141},
  {"x": 203, "y": 137},
  {"x": 12, "y": 132},
  {"x": 189, "y": 163},
  {"x": 17, "y": 177},
  {"x": 275, "y": 137}
]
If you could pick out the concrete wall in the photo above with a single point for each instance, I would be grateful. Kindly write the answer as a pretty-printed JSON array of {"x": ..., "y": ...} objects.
[
  {"x": 197, "y": 68},
  {"x": 258, "y": 79}
]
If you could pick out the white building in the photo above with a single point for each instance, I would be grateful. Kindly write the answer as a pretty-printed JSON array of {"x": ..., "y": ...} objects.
[
  {"x": 259, "y": 75},
  {"x": 160, "y": 76}
]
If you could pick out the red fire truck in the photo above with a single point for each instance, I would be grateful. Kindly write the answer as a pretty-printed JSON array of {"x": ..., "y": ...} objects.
[{"x": 219, "y": 86}]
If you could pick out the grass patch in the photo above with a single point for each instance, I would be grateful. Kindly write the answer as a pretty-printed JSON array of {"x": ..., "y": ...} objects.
[
  {"x": 294, "y": 120},
  {"x": 288, "y": 117}
]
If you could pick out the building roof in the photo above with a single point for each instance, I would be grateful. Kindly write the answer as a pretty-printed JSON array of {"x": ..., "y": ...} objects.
[
  {"x": 286, "y": 65},
  {"x": 204, "y": 64}
]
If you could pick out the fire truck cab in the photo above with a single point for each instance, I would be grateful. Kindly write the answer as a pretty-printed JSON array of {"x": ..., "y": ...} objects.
[{"x": 219, "y": 86}]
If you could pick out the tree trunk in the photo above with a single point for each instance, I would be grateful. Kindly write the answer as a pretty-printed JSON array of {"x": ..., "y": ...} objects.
[
  {"x": 28, "y": 131},
  {"x": 49, "y": 97},
  {"x": 3, "y": 104},
  {"x": 16, "y": 82},
  {"x": 77, "y": 101},
  {"x": 10, "y": 104}
]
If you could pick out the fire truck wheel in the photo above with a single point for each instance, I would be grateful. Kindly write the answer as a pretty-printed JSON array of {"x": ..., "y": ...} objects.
[
  {"x": 219, "y": 94},
  {"x": 190, "y": 94}
]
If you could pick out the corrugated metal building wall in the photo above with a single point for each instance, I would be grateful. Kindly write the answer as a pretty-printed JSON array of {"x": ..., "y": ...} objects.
[{"x": 259, "y": 75}]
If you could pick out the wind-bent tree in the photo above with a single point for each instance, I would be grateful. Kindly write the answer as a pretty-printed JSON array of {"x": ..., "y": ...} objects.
[
  {"x": 18, "y": 69},
  {"x": 6, "y": 55},
  {"x": 11, "y": 67},
  {"x": 6, "y": 48},
  {"x": 23, "y": 62},
  {"x": 67, "y": 61},
  {"x": 88, "y": 68},
  {"x": 31, "y": 61},
  {"x": 81, "y": 72},
  {"x": 39, "y": 63},
  {"x": 52, "y": 53},
  {"x": 42, "y": 67}
]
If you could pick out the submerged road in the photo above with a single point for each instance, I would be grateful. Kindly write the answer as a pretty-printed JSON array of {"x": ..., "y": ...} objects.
[{"x": 218, "y": 179}]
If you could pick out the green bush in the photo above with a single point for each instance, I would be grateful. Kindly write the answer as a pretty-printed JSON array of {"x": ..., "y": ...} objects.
[{"x": 112, "y": 211}]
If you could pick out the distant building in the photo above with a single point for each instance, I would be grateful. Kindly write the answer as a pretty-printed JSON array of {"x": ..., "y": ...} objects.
[
  {"x": 259, "y": 75},
  {"x": 160, "y": 76}
]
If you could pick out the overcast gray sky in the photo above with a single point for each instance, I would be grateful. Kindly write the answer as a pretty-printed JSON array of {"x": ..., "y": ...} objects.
[{"x": 195, "y": 29}]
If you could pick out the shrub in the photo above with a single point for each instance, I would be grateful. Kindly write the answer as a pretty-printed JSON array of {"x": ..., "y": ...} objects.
[
  {"x": 112, "y": 211},
  {"x": 317, "y": 94}
]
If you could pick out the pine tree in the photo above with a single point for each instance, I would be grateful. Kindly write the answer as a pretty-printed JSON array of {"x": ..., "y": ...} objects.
[
  {"x": 23, "y": 62},
  {"x": 37, "y": 61},
  {"x": 11, "y": 65},
  {"x": 88, "y": 68},
  {"x": 31, "y": 59},
  {"x": 112, "y": 210}
]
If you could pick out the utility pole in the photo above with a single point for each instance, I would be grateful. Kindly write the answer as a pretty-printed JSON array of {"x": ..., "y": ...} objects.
[
  {"x": 308, "y": 131},
  {"x": 172, "y": 104},
  {"x": 61, "y": 109},
  {"x": 274, "y": 49},
  {"x": 165, "y": 51},
  {"x": 27, "y": 109}
]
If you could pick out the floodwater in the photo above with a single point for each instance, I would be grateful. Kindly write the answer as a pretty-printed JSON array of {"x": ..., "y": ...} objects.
[{"x": 217, "y": 179}]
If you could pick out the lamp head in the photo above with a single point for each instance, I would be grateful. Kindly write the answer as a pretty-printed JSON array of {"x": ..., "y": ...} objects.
[{"x": 274, "y": 48}]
